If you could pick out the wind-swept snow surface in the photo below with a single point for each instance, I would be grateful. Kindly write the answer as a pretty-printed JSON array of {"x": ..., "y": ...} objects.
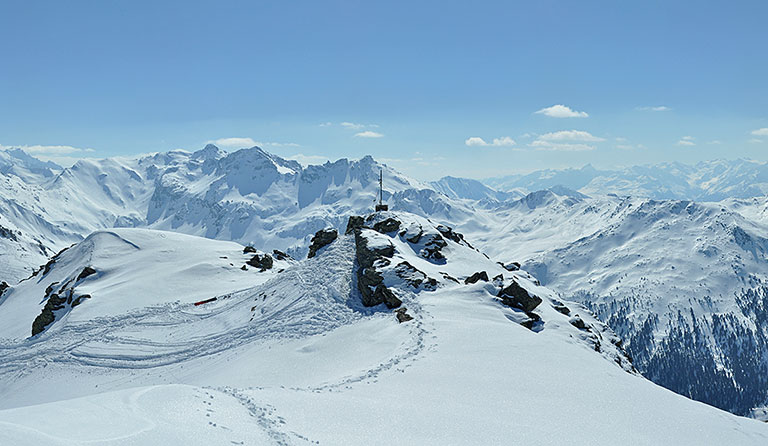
[{"x": 290, "y": 355}]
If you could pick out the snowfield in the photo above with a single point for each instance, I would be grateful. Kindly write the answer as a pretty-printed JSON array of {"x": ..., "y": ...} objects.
[{"x": 290, "y": 355}]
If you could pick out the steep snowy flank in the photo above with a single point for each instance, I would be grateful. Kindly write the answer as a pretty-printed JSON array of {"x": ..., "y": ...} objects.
[
  {"x": 295, "y": 355},
  {"x": 683, "y": 283}
]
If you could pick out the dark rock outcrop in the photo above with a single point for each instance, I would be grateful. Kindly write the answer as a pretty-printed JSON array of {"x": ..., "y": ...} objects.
[
  {"x": 3, "y": 286},
  {"x": 249, "y": 250},
  {"x": 261, "y": 261},
  {"x": 450, "y": 234},
  {"x": 415, "y": 277},
  {"x": 355, "y": 222},
  {"x": 280, "y": 255},
  {"x": 370, "y": 283},
  {"x": 402, "y": 315},
  {"x": 516, "y": 296},
  {"x": 387, "y": 226},
  {"x": 579, "y": 323},
  {"x": 322, "y": 238},
  {"x": 46, "y": 317},
  {"x": 514, "y": 266},
  {"x": 87, "y": 271},
  {"x": 562, "y": 309},
  {"x": 529, "y": 323},
  {"x": 474, "y": 278},
  {"x": 433, "y": 247}
]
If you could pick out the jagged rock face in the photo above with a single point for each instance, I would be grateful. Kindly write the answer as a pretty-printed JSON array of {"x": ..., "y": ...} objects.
[
  {"x": 263, "y": 262},
  {"x": 46, "y": 317},
  {"x": 355, "y": 222},
  {"x": 517, "y": 297},
  {"x": 249, "y": 249},
  {"x": 369, "y": 281},
  {"x": 280, "y": 255},
  {"x": 480, "y": 275},
  {"x": 322, "y": 238},
  {"x": 3, "y": 286}
]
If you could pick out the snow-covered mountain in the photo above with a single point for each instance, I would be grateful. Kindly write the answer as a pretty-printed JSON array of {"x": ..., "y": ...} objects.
[
  {"x": 249, "y": 196},
  {"x": 705, "y": 181},
  {"x": 294, "y": 352},
  {"x": 626, "y": 247}
]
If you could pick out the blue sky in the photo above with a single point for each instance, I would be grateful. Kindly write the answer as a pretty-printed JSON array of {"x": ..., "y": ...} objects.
[{"x": 471, "y": 89}]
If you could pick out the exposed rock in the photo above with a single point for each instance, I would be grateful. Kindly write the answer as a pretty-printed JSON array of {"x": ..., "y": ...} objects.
[
  {"x": 514, "y": 266},
  {"x": 80, "y": 300},
  {"x": 370, "y": 283},
  {"x": 433, "y": 247},
  {"x": 3, "y": 286},
  {"x": 387, "y": 226},
  {"x": 415, "y": 277},
  {"x": 355, "y": 222},
  {"x": 415, "y": 238},
  {"x": 480, "y": 275},
  {"x": 249, "y": 249},
  {"x": 46, "y": 317},
  {"x": 261, "y": 261},
  {"x": 498, "y": 280},
  {"x": 244, "y": 268},
  {"x": 385, "y": 295},
  {"x": 322, "y": 238},
  {"x": 450, "y": 234},
  {"x": 562, "y": 309},
  {"x": 579, "y": 323},
  {"x": 516, "y": 296},
  {"x": 8, "y": 233},
  {"x": 280, "y": 255},
  {"x": 447, "y": 276},
  {"x": 87, "y": 271},
  {"x": 531, "y": 321},
  {"x": 402, "y": 316}
]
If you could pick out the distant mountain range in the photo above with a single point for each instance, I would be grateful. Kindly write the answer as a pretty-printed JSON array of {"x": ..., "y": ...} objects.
[{"x": 705, "y": 181}]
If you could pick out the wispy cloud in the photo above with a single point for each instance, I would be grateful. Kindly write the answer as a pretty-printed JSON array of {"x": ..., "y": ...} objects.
[
  {"x": 755, "y": 141},
  {"x": 570, "y": 135},
  {"x": 760, "y": 132},
  {"x": 686, "y": 141},
  {"x": 243, "y": 143},
  {"x": 60, "y": 154},
  {"x": 561, "y": 146},
  {"x": 657, "y": 108},
  {"x": 48, "y": 150},
  {"x": 306, "y": 160},
  {"x": 369, "y": 134},
  {"x": 566, "y": 141},
  {"x": 562, "y": 111},
  {"x": 504, "y": 141}
]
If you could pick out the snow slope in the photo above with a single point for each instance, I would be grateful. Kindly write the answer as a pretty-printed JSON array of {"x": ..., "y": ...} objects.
[
  {"x": 683, "y": 283},
  {"x": 295, "y": 358}
]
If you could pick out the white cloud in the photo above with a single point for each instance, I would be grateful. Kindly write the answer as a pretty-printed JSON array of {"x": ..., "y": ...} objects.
[
  {"x": 325, "y": 124},
  {"x": 47, "y": 150},
  {"x": 559, "y": 146},
  {"x": 755, "y": 141},
  {"x": 561, "y": 111},
  {"x": 760, "y": 132},
  {"x": 686, "y": 141},
  {"x": 245, "y": 143},
  {"x": 504, "y": 141},
  {"x": 570, "y": 135},
  {"x": 352, "y": 125},
  {"x": 306, "y": 160},
  {"x": 234, "y": 143},
  {"x": 658, "y": 108},
  {"x": 715, "y": 141},
  {"x": 369, "y": 134}
]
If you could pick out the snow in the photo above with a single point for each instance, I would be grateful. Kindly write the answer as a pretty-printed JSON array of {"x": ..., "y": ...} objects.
[{"x": 294, "y": 358}]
